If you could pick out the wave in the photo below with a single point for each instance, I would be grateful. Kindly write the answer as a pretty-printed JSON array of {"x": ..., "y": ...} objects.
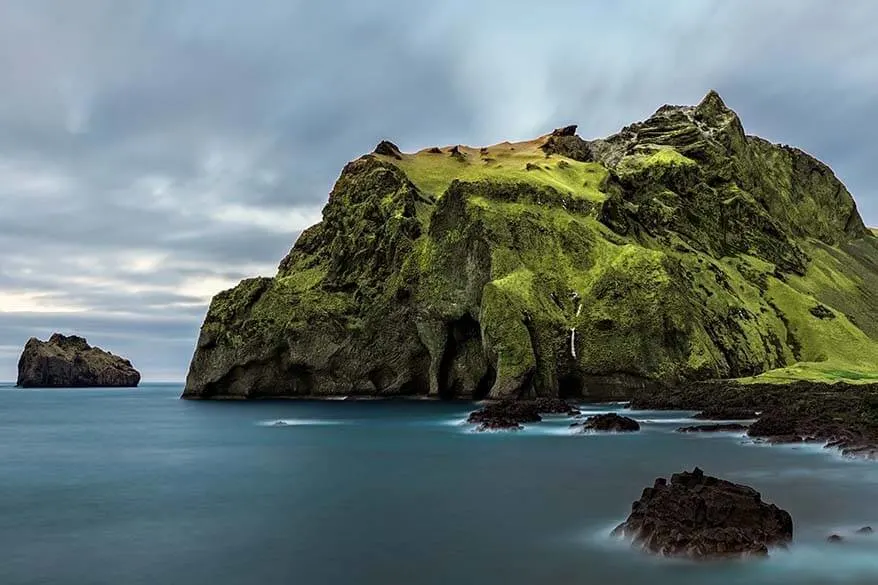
[
  {"x": 299, "y": 422},
  {"x": 669, "y": 421}
]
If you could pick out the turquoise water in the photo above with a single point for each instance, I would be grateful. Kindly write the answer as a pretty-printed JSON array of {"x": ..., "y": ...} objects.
[{"x": 138, "y": 487}]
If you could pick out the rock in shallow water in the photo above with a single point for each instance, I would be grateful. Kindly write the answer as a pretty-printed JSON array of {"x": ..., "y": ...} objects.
[
  {"x": 703, "y": 517},
  {"x": 610, "y": 422},
  {"x": 509, "y": 414},
  {"x": 64, "y": 361},
  {"x": 715, "y": 428},
  {"x": 720, "y": 413}
]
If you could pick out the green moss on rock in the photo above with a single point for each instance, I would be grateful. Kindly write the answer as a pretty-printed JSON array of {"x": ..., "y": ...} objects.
[{"x": 678, "y": 249}]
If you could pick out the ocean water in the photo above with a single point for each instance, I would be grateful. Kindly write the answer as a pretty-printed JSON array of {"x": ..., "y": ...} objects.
[{"x": 138, "y": 487}]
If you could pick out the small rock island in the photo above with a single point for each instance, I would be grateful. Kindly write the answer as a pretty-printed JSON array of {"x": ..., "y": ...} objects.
[
  {"x": 702, "y": 517},
  {"x": 69, "y": 361}
]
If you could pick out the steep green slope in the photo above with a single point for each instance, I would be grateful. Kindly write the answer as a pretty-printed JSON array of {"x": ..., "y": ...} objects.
[{"x": 677, "y": 249}]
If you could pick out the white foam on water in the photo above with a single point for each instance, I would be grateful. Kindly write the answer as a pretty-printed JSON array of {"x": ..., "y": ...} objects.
[
  {"x": 669, "y": 421},
  {"x": 455, "y": 422},
  {"x": 845, "y": 562},
  {"x": 299, "y": 422}
]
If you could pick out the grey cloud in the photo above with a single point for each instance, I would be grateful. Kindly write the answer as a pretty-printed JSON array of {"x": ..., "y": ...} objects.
[{"x": 152, "y": 150}]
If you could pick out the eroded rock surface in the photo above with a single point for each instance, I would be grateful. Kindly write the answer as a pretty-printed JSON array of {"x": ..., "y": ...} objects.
[
  {"x": 678, "y": 249},
  {"x": 69, "y": 361},
  {"x": 702, "y": 517},
  {"x": 608, "y": 423}
]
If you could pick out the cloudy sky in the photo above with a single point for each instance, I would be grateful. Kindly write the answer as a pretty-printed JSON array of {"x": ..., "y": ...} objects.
[{"x": 155, "y": 152}]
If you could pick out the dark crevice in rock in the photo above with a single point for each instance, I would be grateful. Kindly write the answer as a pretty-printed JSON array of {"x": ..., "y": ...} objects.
[
  {"x": 464, "y": 366},
  {"x": 570, "y": 385}
]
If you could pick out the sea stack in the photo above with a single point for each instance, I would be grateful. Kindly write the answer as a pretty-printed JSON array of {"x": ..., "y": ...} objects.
[{"x": 69, "y": 361}]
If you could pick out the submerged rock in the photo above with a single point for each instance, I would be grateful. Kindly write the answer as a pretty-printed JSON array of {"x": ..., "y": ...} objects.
[
  {"x": 64, "y": 361},
  {"x": 865, "y": 530},
  {"x": 610, "y": 422},
  {"x": 834, "y": 538},
  {"x": 703, "y": 517}
]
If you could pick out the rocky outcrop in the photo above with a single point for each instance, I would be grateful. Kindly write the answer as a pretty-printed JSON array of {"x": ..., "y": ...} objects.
[
  {"x": 719, "y": 413},
  {"x": 510, "y": 414},
  {"x": 701, "y": 517},
  {"x": 678, "y": 249},
  {"x": 714, "y": 428},
  {"x": 607, "y": 423},
  {"x": 840, "y": 415},
  {"x": 70, "y": 362}
]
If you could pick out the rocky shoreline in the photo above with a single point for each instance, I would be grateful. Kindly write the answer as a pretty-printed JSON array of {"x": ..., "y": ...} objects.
[{"x": 843, "y": 416}]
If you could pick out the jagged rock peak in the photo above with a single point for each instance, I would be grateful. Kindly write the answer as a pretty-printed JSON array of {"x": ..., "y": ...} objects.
[
  {"x": 565, "y": 131},
  {"x": 69, "y": 361},
  {"x": 387, "y": 148}
]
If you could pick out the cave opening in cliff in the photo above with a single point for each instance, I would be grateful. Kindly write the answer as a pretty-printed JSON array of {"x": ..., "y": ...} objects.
[
  {"x": 571, "y": 385},
  {"x": 486, "y": 383},
  {"x": 464, "y": 369}
]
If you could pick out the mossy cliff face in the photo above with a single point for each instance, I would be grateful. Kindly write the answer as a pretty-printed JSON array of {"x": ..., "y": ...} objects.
[{"x": 678, "y": 249}]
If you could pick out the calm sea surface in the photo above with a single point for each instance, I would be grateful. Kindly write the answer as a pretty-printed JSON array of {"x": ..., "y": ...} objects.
[{"x": 138, "y": 487}]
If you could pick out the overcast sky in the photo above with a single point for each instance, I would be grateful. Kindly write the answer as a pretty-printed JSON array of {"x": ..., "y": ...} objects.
[{"x": 155, "y": 152}]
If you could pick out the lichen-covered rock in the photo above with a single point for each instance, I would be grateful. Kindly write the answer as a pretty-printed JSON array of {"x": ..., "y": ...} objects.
[
  {"x": 69, "y": 361},
  {"x": 678, "y": 249},
  {"x": 702, "y": 517}
]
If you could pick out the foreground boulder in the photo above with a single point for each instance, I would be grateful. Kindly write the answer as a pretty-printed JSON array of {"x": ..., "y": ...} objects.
[
  {"x": 703, "y": 517},
  {"x": 64, "y": 361},
  {"x": 610, "y": 423}
]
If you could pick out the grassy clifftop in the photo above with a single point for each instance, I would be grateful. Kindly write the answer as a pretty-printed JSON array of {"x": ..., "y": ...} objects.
[{"x": 678, "y": 249}]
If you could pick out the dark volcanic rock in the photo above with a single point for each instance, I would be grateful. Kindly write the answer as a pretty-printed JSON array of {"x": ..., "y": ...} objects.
[
  {"x": 822, "y": 312},
  {"x": 565, "y": 142},
  {"x": 703, "y": 517},
  {"x": 714, "y": 428},
  {"x": 843, "y": 415},
  {"x": 506, "y": 414},
  {"x": 834, "y": 538},
  {"x": 555, "y": 406},
  {"x": 565, "y": 131},
  {"x": 71, "y": 362},
  {"x": 388, "y": 148},
  {"x": 865, "y": 530},
  {"x": 610, "y": 422},
  {"x": 718, "y": 413},
  {"x": 509, "y": 414}
]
